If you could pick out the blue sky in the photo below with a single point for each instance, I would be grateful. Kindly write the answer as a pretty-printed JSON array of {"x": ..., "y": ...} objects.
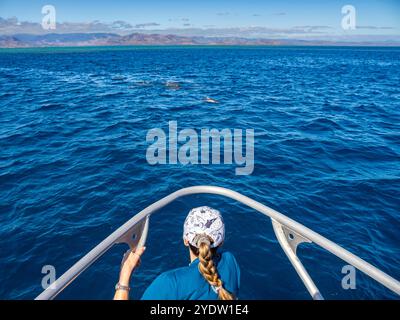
[{"x": 374, "y": 17}]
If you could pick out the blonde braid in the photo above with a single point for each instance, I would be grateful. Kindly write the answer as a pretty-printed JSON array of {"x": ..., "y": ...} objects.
[{"x": 209, "y": 270}]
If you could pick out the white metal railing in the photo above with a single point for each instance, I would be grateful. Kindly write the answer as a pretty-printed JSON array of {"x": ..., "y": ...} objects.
[{"x": 289, "y": 234}]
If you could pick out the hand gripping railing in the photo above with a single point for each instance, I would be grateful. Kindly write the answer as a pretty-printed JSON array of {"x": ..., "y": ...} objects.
[{"x": 289, "y": 234}]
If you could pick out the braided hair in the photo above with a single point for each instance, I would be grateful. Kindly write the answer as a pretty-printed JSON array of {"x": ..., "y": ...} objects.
[{"x": 207, "y": 267}]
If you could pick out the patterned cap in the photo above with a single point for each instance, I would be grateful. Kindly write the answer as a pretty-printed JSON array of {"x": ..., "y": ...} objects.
[{"x": 204, "y": 220}]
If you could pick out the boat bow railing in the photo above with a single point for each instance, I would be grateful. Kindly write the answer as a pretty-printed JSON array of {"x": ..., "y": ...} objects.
[{"x": 288, "y": 232}]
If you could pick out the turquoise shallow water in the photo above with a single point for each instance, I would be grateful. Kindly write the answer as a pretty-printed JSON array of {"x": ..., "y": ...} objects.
[{"x": 73, "y": 166}]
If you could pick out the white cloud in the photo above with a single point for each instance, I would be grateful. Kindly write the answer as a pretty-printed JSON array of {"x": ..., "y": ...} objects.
[{"x": 11, "y": 26}]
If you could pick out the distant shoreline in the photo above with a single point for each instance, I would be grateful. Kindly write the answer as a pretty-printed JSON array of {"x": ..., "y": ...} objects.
[
  {"x": 61, "y": 40},
  {"x": 194, "y": 46}
]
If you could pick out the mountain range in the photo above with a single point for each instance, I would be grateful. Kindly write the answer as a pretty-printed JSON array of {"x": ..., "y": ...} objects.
[{"x": 112, "y": 39}]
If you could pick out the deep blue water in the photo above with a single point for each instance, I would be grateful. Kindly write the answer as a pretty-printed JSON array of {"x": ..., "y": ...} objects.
[{"x": 73, "y": 124}]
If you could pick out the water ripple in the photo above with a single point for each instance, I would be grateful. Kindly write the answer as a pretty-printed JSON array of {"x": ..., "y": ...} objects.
[{"x": 73, "y": 167}]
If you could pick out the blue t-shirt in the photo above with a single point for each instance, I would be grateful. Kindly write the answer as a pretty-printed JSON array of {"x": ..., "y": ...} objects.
[{"x": 187, "y": 283}]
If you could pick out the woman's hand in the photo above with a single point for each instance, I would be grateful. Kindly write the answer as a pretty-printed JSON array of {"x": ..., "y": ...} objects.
[{"x": 130, "y": 262}]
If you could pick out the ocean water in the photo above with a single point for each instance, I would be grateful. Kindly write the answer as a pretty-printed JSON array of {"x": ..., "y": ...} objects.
[{"x": 73, "y": 126}]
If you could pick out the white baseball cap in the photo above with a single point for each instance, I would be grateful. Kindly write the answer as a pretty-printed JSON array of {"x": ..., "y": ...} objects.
[{"x": 204, "y": 221}]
